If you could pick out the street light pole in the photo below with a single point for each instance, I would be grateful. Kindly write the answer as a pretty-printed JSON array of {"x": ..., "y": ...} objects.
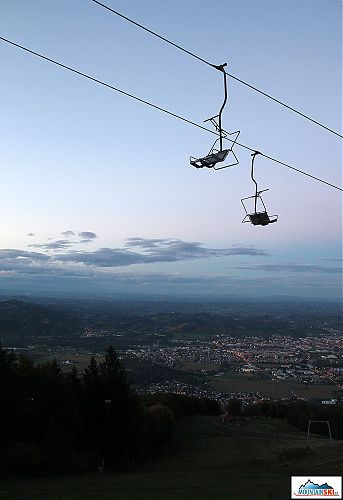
[{"x": 107, "y": 428}]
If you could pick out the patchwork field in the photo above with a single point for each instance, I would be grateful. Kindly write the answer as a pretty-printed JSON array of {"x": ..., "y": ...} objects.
[
  {"x": 228, "y": 382},
  {"x": 235, "y": 382}
]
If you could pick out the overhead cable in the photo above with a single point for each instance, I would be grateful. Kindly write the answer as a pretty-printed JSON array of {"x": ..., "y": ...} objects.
[
  {"x": 159, "y": 108},
  {"x": 192, "y": 54}
]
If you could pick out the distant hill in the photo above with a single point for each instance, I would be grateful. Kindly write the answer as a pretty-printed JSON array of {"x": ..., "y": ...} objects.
[{"x": 24, "y": 319}]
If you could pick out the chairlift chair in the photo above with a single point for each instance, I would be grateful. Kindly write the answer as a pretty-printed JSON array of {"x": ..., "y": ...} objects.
[
  {"x": 261, "y": 217},
  {"x": 210, "y": 160},
  {"x": 258, "y": 218},
  {"x": 216, "y": 155}
]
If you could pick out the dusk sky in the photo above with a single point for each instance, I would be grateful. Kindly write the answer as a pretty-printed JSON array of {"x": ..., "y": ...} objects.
[{"x": 97, "y": 194}]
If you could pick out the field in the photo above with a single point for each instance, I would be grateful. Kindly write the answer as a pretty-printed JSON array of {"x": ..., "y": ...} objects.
[
  {"x": 236, "y": 382},
  {"x": 228, "y": 382},
  {"x": 196, "y": 367},
  {"x": 206, "y": 460},
  {"x": 80, "y": 361}
]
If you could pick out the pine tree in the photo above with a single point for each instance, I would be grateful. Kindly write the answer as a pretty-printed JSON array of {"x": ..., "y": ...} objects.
[
  {"x": 113, "y": 376},
  {"x": 9, "y": 396},
  {"x": 122, "y": 410}
]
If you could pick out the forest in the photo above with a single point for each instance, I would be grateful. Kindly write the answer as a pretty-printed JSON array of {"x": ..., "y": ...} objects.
[{"x": 52, "y": 422}]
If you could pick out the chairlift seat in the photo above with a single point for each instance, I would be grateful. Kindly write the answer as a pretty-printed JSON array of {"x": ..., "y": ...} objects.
[
  {"x": 262, "y": 218},
  {"x": 210, "y": 160}
]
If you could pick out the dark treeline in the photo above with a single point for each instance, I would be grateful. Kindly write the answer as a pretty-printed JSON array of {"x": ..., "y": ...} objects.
[
  {"x": 298, "y": 413},
  {"x": 51, "y": 422},
  {"x": 182, "y": 405}
]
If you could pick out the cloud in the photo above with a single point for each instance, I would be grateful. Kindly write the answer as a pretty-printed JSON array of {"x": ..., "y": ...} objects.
[
  {"x": 87, "y": 236},
  {"x": 149, "y": 243},
  {"x": 54, "y": 245},
  {"x": 61, "y": 260},
  {"x": 11, "y": 254},
  {"x": 103, "y": 257},
  {"x": 153, "y": 251},
  {"x": 68, "y": 233},
  {"x": 296, "y": 268},
  {"x": 30, "y": 234},
  {"x": 67, "y": 242},
  {"x": 22, "y": 261},
  {"x": 106, "y": 271},
  {"x": 170, "y": 249}
]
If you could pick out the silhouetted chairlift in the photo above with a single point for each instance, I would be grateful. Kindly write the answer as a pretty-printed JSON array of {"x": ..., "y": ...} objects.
[
  {"x": 257, "y": 218},
  {"x": 216, "y": 155}
]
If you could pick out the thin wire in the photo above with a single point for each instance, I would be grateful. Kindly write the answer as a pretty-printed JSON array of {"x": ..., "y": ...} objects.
[
  {"x": 286, "y": 106},
  {"x": 96, "y": 80},
  {"x": 153, "y": 33},
  {"x": 215, "y": 66}
]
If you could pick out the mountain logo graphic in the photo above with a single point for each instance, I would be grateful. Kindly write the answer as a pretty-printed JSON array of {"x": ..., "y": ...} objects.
[{"x": 311, "y": 489}]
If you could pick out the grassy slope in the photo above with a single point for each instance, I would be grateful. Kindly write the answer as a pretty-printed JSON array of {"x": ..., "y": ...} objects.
[{"x": 207, "y": 460}]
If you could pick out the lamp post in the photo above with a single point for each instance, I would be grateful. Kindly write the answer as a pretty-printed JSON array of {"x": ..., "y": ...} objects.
[{"x": 107, "y": 427}]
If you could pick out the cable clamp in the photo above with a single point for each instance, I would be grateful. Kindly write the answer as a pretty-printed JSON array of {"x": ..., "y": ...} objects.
[{"x": 219, "y": 67}]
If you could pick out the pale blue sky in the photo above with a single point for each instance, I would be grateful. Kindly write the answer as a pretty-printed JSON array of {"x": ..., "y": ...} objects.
[{"x": 77, "y": 156}]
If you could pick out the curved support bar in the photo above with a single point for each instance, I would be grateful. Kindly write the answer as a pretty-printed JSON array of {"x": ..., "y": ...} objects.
[
  {"x": 223, "y": 105},
  {"x": 252, "y": 177}
]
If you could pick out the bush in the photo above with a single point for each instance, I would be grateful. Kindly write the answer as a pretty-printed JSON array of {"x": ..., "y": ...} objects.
[{"x": 160, "y": 423}]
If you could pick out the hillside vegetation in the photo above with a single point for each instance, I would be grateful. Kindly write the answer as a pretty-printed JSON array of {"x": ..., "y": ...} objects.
[
  {"x": 206, "y": 460},
  {"x": 23, "y": 319}
]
